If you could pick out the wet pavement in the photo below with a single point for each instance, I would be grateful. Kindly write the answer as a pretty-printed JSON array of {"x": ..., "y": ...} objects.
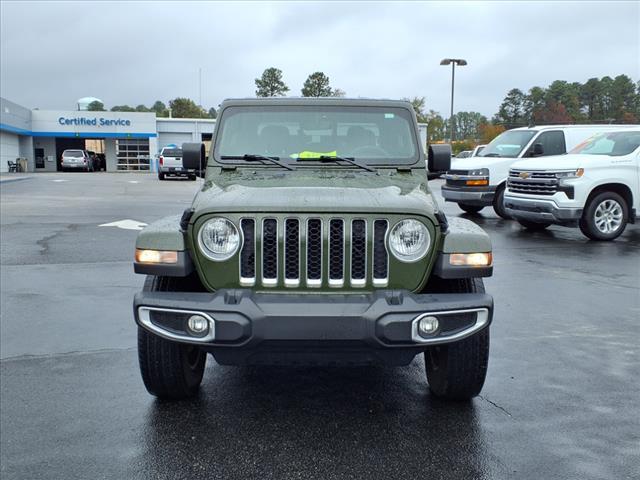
[{"x": 560, "y": 401}]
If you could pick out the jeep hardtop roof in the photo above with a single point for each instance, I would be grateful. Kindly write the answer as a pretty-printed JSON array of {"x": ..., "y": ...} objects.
[{"x": 337, "y": 101}]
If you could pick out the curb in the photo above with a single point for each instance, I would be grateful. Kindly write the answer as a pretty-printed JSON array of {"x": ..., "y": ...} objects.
[{"x": 9, "y": 180}]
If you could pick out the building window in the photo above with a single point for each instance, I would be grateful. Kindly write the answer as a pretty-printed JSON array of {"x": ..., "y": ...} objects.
[{"x": 133, "y": 153}]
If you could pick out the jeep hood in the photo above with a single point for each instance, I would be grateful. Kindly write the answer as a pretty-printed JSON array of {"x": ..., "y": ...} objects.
[{"x": 327, "y": 191}]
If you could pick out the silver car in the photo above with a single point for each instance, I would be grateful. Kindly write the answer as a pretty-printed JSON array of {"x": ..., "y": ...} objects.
[{"x": 77, "y": 160}]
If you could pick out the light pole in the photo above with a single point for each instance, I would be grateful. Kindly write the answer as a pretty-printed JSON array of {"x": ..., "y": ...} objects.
[{"x": 453, "y": 61}]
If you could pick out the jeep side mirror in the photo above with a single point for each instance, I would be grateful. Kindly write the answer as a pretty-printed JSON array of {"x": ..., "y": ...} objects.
[
  {"x": 537, "y": 150},
  {"x": 439, "y": 158},
  {"x": 194, "y": 157}
]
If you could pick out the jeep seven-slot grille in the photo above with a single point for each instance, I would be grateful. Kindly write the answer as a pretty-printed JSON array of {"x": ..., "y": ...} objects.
[
  {"x": 538, "y": 183},
  {"x": 313, "y": 252}
]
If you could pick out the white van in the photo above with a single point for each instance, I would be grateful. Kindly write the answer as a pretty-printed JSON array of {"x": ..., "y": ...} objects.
[
  {"x": 476, "y": 182},
  {"x": 596, "y": 187}
]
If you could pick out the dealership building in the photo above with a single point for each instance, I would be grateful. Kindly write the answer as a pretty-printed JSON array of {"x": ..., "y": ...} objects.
[{"x": 129, "y": 140}]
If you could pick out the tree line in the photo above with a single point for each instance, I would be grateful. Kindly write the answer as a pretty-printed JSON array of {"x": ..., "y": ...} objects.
[
  {"x": 598, "y": 100},
  {"x": 177, "y": 108}
]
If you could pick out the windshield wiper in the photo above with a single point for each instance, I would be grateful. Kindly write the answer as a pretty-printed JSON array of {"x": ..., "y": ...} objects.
[
  {"x": 491, "y": 155},
  {"x": 254, "y": 157},
  {"x": 335, "y": 159}
]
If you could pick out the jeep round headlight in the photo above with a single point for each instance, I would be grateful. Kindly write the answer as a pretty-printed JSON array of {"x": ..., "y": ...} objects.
[
  {"x": 219, "y": 239},
  {"x": 409, "y": 240}
]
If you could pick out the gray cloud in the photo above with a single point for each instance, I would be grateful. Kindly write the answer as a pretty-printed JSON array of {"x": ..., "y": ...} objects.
[{"x": 128, "y": 53}]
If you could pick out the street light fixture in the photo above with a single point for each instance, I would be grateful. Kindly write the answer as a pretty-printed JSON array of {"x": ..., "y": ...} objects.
[{"x": 453, "y": 61}]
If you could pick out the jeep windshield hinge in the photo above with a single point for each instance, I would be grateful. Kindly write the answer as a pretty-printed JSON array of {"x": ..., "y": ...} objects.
[{"x": 186, "y": 217}]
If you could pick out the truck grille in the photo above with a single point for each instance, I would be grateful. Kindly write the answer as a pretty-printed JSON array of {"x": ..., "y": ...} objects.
[
  {"x": 314, "y": 252},
  {"x": 537, "y": 183}
]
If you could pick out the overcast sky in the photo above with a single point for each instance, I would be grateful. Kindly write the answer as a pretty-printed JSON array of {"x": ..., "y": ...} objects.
[{"x": 53, "y": 53}]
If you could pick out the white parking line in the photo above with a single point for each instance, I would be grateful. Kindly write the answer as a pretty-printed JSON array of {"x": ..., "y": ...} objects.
[
  {"x": 126, "y": 224},
  {"x": 58, "y": 180}
]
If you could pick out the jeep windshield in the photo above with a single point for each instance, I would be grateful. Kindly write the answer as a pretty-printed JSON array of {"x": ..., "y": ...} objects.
[
  {"x": 313, "y": 134},
  {"x": 508, "y": 144}
]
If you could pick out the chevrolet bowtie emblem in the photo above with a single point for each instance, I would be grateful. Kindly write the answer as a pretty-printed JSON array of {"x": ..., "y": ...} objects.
[{"x": 524, "y": 174}]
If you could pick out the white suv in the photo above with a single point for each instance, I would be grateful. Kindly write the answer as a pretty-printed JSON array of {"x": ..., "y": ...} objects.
[
  {"x": 596, "y": 186},
  {"x": 476, "y": 182}
]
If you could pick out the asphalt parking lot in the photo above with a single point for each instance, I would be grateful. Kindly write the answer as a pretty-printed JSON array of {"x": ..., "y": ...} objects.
[{"x": 561, "y": 398}]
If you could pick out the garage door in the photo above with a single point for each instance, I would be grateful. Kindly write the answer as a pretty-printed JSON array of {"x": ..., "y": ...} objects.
[
  {"x": 9, "y": 149},
  {"x": 177, "y": 138}
]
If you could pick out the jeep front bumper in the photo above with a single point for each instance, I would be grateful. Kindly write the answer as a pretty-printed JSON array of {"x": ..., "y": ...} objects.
[{"x": 247, "y": 327}]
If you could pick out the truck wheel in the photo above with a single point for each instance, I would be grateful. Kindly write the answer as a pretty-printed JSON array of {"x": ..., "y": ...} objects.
[
  {"x": 605, "y": 217},
  {"x": 498, "y": 204},
  {"x": 456, "y": 371},
  {"x": 470, "y": 208},
  {"x": 169, "y": 370},
  {"x": 160, "y": 176},
  {"x": 535, "y": 226}
]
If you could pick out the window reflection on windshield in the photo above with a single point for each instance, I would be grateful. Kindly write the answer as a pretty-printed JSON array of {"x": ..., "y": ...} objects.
[
  {"x": 614, "y": 144},
  {"x": 508, "y": 144},
  {"x": 377, "y": 135}
]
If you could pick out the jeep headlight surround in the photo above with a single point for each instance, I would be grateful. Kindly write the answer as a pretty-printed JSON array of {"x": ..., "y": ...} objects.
[
  {"x": 219, "y": 239},
  {"x": 409, "y": 240}
]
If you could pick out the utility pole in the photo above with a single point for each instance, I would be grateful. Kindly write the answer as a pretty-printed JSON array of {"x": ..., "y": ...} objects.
[
  {"x": 453, "y": 61},
  {"x": 200, "y": 90}
]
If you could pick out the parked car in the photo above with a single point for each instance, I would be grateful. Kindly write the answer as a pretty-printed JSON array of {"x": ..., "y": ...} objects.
[
  {"x": 77, "y": 160},
  {"x": 102, "y": 162},
  {"x": 170, "y": 164},
  {"x": 596, "y": 187},
  {"x": 304, "y": 247},
  {"x": 95, "y": 160},
  {"x": 474, "y": 183}
]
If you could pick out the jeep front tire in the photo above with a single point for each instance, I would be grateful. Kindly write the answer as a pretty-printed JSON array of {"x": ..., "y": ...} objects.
[
  {"x": 456, "y": 371},
  {"x": 169, "y": 370}
]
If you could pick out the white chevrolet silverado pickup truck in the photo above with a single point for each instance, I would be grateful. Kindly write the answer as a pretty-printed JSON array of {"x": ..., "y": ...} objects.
[
  {"x": 596, "y": 186},
  {"x": 477, "y": 182}
]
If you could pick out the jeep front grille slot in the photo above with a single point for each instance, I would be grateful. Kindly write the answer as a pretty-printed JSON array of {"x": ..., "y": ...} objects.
[
  {"x": 314, "y": 252},
  {"x": 358, "y": 253},
  {"x": 292, "y": 252},
  {"x": 336, "y": 252},
  {"x": 248, "y": 253},
  {"x": 380, "y": 255},
  {"x": 269, "y": 252}
]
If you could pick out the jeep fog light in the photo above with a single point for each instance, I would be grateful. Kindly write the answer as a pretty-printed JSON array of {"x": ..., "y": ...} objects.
[
  {"x": 427, "y": 326},
  {"x": 156, "y": 256},
  {"x": 409, "y": 240},
  {"x": 197, "y": 324},
  {"x": 219, "y": 239},
  {"x": 471, "y": 259}
]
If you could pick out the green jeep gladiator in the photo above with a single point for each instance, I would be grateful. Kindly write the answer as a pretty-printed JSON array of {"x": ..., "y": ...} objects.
[{"x": 314, "y": 240}]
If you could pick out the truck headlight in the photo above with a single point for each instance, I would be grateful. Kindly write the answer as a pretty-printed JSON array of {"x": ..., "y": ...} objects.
[
  {"x": 479, "y": 172},
  {"x": 219, "y": 239},
  {"x": 409, "y": 240},
  {"x": 571, "y": 174}
]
